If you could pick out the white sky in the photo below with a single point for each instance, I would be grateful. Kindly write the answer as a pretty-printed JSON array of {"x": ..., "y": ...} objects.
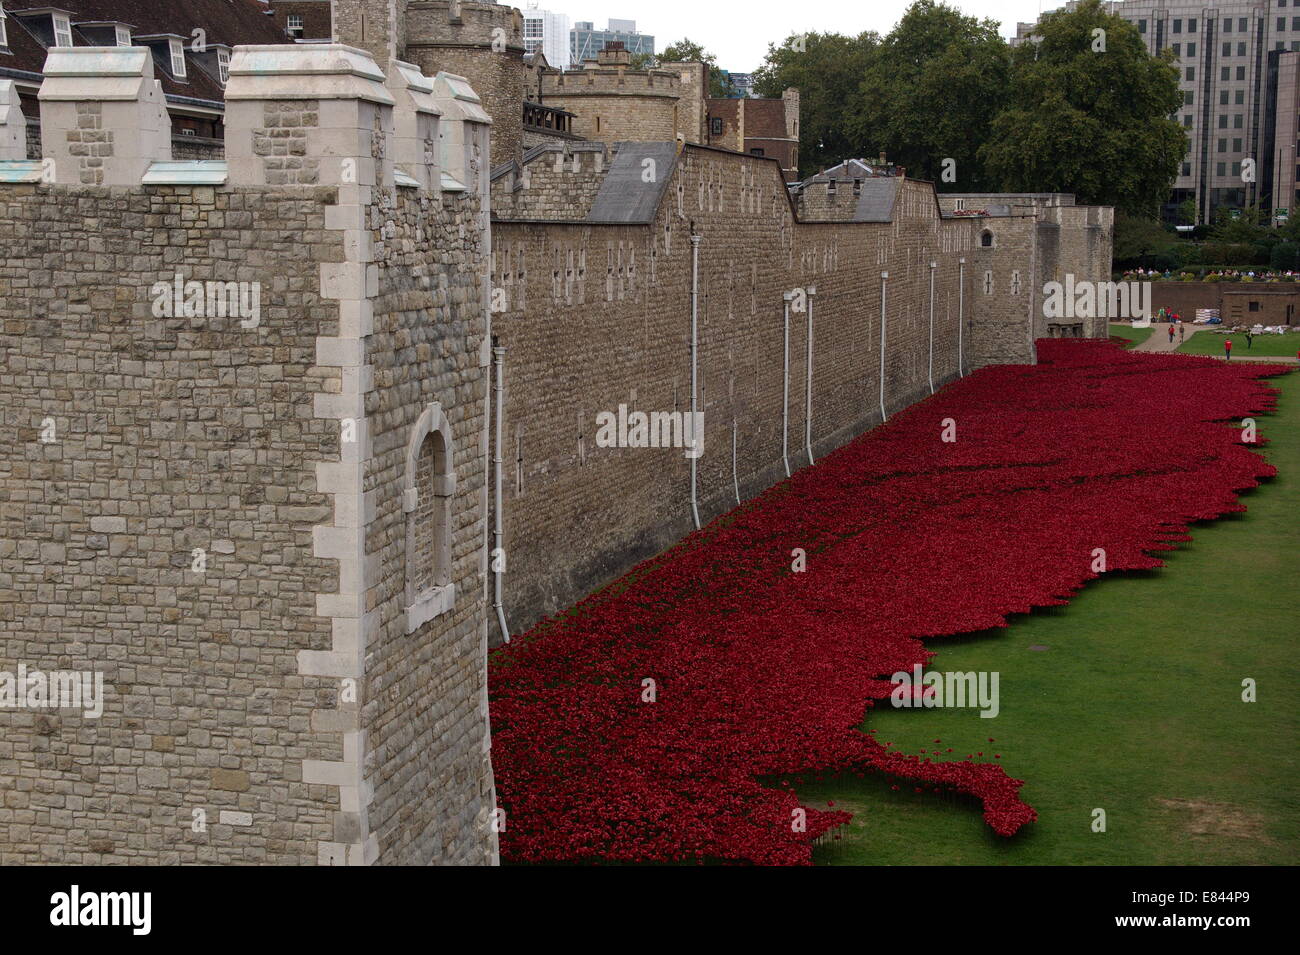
[{"x": 738, "y": 31}]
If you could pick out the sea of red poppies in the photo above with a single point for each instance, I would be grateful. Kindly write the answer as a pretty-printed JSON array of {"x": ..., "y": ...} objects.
[{"x": 759, "y": 672}]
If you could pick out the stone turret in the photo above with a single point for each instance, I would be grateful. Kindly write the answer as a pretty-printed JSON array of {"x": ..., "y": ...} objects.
[{"x": 484, "y": 43}]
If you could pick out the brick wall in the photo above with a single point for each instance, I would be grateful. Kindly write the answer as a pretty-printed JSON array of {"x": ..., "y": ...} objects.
[
  {"x": 557, "y": 182},
  {"x": 1245, "y": 303}
]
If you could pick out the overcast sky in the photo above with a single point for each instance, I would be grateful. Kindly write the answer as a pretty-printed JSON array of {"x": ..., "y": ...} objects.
[{"x": 738, "y": 32}]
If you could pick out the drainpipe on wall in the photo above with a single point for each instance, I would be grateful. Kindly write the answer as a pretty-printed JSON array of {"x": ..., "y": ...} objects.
[
  {"x": 884, "y": 283},
  {"x": 735, "y": 479},
  {"x": 498, "y": 571},
  {"x": 961, "y": 315},
  {"x": 785, "y": 391},
  {"x": 933, "y": 266},
  {"x": 807, "y": 425},
  {"x": 695, "y": 428}
]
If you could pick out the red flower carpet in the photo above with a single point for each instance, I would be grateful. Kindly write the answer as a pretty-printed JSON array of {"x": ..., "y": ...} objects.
[{"x": 760, "y": 671}]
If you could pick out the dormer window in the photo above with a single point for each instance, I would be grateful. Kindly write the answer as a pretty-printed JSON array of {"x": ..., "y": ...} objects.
[
  {"x": 62, "y": 30},
  {"x": 295, "y": 25},
  {"x": 123, "y": 35},
  {"x": 223, "y": 65},
  {"x": 178, "y": 58}
]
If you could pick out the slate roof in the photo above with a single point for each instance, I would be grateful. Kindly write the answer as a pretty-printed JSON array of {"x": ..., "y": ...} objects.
[
  {"x": 227, "y": 22},
  {"x": 625, "y": 197},
  {"x": 876, "y": 203}
]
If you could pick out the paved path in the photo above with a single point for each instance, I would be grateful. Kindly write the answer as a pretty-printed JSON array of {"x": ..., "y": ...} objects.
[{"x": 1159, "y": 342}]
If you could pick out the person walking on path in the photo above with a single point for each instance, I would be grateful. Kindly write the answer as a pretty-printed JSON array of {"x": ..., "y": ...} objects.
[
  {"x": 1227, "y": 349},
  {"x": 1180, "y": 331},
  {"x": 1171, "y": 333}
]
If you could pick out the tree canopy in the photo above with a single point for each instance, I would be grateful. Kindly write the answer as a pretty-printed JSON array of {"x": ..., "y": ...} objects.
[
  {"x": 1071, "y": 110},
  {"x": 1089, "y": 112}
]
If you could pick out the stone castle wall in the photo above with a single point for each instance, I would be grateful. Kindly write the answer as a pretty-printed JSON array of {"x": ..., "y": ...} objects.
[
  {"x": 554, "y": 182},
  {"x": 599, "y": 315},
  {"x": 169, "y": 435}
]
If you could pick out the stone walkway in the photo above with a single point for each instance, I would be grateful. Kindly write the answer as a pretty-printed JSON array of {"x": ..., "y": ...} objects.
[{"x": 1159, "y": 342}]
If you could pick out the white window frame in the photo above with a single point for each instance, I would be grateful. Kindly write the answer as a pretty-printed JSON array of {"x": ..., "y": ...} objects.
[
  {"x": 4, "y": 32},
  {"x": 293, "y": 22},
  {"x": 223, "y": 65},
  {"x": 178, "y": 58},
  {"x": 62, "y": 30},
  {"x": 123, "y": 35}
]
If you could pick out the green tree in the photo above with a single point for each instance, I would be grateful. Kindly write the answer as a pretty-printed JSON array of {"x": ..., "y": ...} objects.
[
  {"x": 1187, "y": 212},
  {"x": 929, "y": 93},
  {"x": 827, "y": 69},
  {"x": 1089, "y": 113},
  {"x": 1138, "y": 238},
  {"x": 687, "y": 51}
]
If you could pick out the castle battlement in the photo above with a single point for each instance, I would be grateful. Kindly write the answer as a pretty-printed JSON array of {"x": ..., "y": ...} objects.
[
  {"x": 602, "y": 81},
  {"x": 458, "y": 23},
  {"x": 304, "y": 115}
]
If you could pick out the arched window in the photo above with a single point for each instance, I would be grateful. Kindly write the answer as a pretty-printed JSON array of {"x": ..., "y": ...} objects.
[
  {"x": 429, "y": 486},
  {"x": 986, "y": 239}
]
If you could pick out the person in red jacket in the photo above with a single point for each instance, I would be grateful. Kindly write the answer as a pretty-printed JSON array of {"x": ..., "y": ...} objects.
[
  {"x": 1227, "y": 349},
  {"x": 1171, "y": 333}
]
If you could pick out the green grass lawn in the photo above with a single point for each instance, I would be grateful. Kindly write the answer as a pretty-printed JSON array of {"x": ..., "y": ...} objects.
[
  {"x": 1136, "y": 336},
  {"x": 1134, "y": 706},
  {"x": 1266, "y": 346}
]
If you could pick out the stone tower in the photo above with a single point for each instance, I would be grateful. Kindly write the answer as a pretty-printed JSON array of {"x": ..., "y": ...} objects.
[
  {"x": 483, "y": 42},
  {"x": 247, "y": 535},
  {"x": 376, "y": 26}
]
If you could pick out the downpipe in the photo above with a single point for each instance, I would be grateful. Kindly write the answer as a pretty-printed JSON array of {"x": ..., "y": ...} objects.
[
  {"x": 807, "y": 416},
  {"x": 884, "y": 284},
  {"x": 785, "y": 390},
  {"x": 498, "y": 555},
  {"x": 693, "y": 452}
]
